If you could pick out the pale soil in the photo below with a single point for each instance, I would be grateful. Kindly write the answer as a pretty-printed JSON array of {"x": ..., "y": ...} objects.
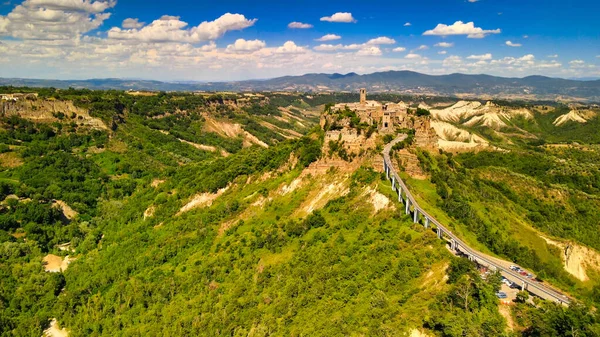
[
  {"x": 459, "y": 146},
  {"x": 489, "y": 114},
  {"x": 320, "y": 196},
  {"x": 574, "y": 116},
  {"x": 436, "y": 277},
  {"x": 577, "y": 259},
  {"x": 199, "y": 146},
  {"x": 41, "y": 111},
  {"x": 10, "y": 160},
  {"x": 287, "y": 133},
  {"x": 418, "y": 333},
  {"x": 505, "y": 312},
  {"x": 449, "y": 132},
  {"x": 232, "y": 130},
  {"x": 149, "y": 211},
  {"x": 291, "y": 187},
  {"x": 156, "y": 182},
  {"x": 66, "y": 209},
  {"x": 378, "y": 200},
  {"x": 56, "y": 264},
  {"x": 201, "y": 200},
  {"x": 54, "y": 330}
]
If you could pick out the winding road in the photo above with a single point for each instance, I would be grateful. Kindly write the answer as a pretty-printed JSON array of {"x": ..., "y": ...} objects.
[{"x": 420, "y": 215}]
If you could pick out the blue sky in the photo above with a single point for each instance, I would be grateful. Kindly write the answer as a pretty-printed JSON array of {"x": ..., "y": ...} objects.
[{"x": 232, "y": 40}]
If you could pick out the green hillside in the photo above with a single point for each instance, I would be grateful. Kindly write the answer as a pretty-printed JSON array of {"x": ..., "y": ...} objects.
[{"x": 219, "y": 215}]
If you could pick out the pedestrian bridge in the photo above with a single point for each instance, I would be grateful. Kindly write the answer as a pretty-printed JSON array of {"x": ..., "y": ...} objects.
[{"x": 419, "y": 215}]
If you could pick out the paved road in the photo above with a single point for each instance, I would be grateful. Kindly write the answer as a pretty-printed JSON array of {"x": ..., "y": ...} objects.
[{"x": 533, "y": 287}]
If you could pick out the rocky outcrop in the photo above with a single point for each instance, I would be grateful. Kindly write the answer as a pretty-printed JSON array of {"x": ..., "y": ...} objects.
[{"x": 49, "y": 111}]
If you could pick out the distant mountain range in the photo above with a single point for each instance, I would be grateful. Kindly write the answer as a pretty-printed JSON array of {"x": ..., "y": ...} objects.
[{"x": 408, "y": 82}]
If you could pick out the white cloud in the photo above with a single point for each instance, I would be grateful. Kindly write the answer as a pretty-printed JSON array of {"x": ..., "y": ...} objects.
[
  {"x": 525, "y": 36},
  {"x": 512, "y": 44},
  {"x": 299, "y": 25},
  {"x": 329, "y": 37},
  {"x": 343, "y": 17},
  {"x": 369, "y": 51},
  {"x": 171, "y": 29},
  {"x": 381, "y": 40},
  {"x": 553, "y": 56},
  {"x": 444, "y": 44},
  {"x": 53, "y": 20},
  {"x": 452, "y": 61},
  {"x": 289, "y": 47},
  {"x": 71, "y": 5},
  {"x": 443, "y": 52},
  {"x": 487, "y": 56},
  {"x": 577, "y": 64},
  {"x": 132, "y": 23},
  {"x": 460, "y": 28},
  {"x": 245, "y": 46},
  {"x": 408, "y": 24},
  {"x": 399, "y": 49},
  {"x": 412, "y": 56},
  {"x": 422, "y": 47},
  {"x": 471, "y": 1}
]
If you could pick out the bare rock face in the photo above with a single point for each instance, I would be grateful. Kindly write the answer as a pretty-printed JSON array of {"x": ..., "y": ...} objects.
[{"x": 49, "y": 111}]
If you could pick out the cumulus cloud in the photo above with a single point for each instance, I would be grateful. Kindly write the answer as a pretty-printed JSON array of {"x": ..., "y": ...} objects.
[
  {"x": 412, "y": 56},
  {"x": 364, "y": 47},
  {"x": 399, "y": 49},
  {"x": 577, "y": 64},
  {"x": 299, "y": 25},
  {"x": 245, "y": 46},
  {"x": 369, "y": 51},
  {"x": 408, "y": 24},
  {"x": 132, "y": 23},
  {"x": 452, "y": 61},
  {"x": 511, "y": 44},
  {"x": 553, "y": 56},
  {"x": 460, "y": 28},
  {"x": 343, "y": 17},
  {"x": 422, "y": 47},
  {"x": 329, "y": 37},
  {"x": 483, "y": 57},
  {"x": 381, "y": 40},
  {"x": 172, "y": 29},
  {"x": 444, "y": 44},
  {"x": 289, "y": 47},
  {"x": 54, "y": 20},
  {"x": 443, "y": 52}
]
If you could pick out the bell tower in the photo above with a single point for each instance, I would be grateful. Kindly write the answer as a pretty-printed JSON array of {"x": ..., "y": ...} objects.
[{"x": 363, "y": 96}]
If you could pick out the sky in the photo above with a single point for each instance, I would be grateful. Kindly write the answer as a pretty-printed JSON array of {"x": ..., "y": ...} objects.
[{"x": 183, "y": 40}]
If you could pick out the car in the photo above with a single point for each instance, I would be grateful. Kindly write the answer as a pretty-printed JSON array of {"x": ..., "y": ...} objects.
[
  {"x": 513, "y": 267},
  {"x": 515, "y": 286},
  {"x": 529, "y": 275},
  {"x": 507, "y": 282},
  {"x": 501, "y": 294},
  {"x": 523, "y": 273}
]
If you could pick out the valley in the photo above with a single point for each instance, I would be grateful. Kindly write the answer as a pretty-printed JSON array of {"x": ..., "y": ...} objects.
[{"x": 271, "y": 214}]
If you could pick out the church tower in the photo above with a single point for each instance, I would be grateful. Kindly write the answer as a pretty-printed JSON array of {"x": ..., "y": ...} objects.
[{"x": 363, "y": 96}]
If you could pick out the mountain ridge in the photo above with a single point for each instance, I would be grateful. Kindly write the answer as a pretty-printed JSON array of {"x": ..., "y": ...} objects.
[{"x": 534, "y": 87}]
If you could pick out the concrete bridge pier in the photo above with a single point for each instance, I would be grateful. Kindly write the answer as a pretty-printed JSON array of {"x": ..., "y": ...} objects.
[
  {"x": 393, "y": 183},
  {"x": 400, "y": 194},
  {"x": 426, "y": 222},
  {"x": 407, "y": 205},
  {"x": 416, "y": 216},
  {"x": 439, "y": 233}
]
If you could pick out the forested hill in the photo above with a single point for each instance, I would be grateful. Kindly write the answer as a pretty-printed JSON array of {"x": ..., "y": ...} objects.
[
  {"x": 463, "y": 85},
  {"x": 173, "y": 214}
]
